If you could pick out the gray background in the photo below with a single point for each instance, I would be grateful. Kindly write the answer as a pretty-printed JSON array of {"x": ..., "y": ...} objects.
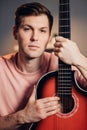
[{"x": 78, "y": 22}]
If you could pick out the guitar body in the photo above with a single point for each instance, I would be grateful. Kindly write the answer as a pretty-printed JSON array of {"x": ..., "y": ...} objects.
[{"x": 76, "y": 119}]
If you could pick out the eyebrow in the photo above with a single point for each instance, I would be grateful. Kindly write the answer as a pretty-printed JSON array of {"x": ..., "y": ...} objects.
[{"x": 32, "y": 26}]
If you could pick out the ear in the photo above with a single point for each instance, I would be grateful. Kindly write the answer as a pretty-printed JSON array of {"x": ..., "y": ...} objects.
[{"x": 14, "y": 32}]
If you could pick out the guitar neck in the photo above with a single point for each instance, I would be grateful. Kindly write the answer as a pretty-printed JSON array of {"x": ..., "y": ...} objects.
[
  {"x": 64, "y": 21},
  {"x": 64, "y": 73}
]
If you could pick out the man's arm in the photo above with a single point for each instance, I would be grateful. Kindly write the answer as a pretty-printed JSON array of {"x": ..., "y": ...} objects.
[
  {"x": 11, "y": 121},
  {"x": 69, "y": 53},
  {"x": 82, "y": 65},
  {"x": 34, "y": 111}
]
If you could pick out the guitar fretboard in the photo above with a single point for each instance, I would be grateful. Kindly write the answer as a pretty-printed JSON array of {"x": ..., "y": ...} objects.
[
  {"x": 64, "y": 73},
  {"x": 64, "y": 80}
]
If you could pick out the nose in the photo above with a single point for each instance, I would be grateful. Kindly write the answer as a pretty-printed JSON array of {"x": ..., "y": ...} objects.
[{"x": 34, "y": 36}]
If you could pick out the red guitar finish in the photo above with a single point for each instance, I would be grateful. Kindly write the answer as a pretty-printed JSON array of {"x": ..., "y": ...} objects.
[{"x": 76, "y": 119}]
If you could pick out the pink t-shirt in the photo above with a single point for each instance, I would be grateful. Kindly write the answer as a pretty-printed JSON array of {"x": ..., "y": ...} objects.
[{"x": 16, "y": 86}]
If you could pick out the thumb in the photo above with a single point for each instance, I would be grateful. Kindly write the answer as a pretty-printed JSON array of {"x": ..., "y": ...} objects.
[{"x": 33, "y": 95}]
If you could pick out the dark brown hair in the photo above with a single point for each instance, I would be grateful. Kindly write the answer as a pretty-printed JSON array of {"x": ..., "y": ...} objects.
[{"x": 32, "y": 9}]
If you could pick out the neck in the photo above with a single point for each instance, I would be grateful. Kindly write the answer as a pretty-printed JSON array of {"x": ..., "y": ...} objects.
[{"x": 28, "y": 65}]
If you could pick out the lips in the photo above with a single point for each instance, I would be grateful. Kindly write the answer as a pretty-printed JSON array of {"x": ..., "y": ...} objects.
[{"x": 33, "y": 47}]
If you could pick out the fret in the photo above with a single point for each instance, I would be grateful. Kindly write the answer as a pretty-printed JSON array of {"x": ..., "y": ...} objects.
[
  {"x": 64, "y": 81},
  {"x": 62, "y": 78},
  {"x": 67, "y": 19},
  {"x": 64, "y": 11},
  {"x": 61, "y": 26},
  {"x": 64, "y": 4},
  {"x": 64, "y": 84},
  {"x": 68, "y": 91},
  {"x": 65, "y": 91},
  {"x": 64, "y": 69},
  {"x": 64, "y": 94},
  {"x": 64, "y": 88},
  {"x": 63, "y": 32}
]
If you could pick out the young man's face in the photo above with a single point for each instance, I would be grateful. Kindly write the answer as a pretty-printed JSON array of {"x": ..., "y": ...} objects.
[{"x": 33, "y": 35}]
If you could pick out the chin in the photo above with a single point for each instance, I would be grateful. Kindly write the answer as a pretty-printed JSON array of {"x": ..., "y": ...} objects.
[{"x": 34, "y": 55}]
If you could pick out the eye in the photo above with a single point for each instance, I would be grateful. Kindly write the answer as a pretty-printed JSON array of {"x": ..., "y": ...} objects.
[
  {"x": 42, "y": 30},
  {"x": 26, "y": 28}
]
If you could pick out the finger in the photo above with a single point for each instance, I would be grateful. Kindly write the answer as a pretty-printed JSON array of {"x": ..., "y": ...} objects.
[
  {"x": 53, "y": 112},
  {"x": 33, "y": 95},
  {"x": 49, "y": 99},
  {"x": 58, "y": 44},
  {"x": 47, "y": 102},
  {"x": 50, "y": 104},
  {"x": 51, "y": 108},
  {"x": 57, "y": 50},
  {"x": 61, "y": 39}
]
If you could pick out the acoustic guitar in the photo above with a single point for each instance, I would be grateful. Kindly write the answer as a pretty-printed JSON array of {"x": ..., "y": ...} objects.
[{"x": 73, "y": 99}]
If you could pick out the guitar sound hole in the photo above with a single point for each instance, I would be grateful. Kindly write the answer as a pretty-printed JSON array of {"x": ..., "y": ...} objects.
[{"x": 67, "y": 104}]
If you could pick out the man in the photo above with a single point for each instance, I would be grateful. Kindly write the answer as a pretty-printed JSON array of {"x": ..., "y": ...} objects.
[{"x": 20, "y": 72}]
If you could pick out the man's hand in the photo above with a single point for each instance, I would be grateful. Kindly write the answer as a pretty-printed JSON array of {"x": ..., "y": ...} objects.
[
  {"x": 36, "y": 110},
  {"x": 67, "y": 50}
]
